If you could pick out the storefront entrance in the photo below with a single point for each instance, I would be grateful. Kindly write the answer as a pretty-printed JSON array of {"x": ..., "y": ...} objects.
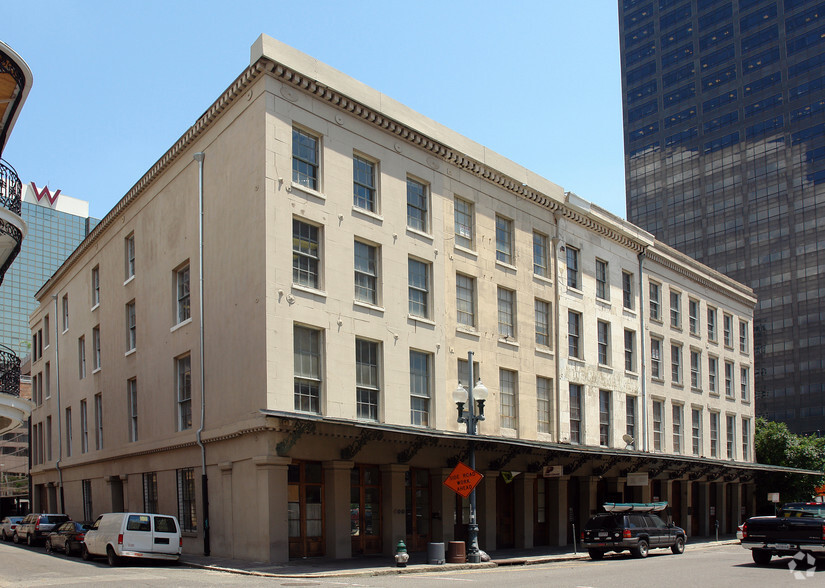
[
  {"x": 365, "y": 509},
  {"x": 306, "y": 510},
  {"x": 417, "y": 497}
]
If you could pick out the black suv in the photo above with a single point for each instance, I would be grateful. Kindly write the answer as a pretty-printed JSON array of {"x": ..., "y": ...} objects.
[{"x": 636, "y": 532}]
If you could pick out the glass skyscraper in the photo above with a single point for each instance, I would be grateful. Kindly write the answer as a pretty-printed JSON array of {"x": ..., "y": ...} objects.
[{"x": 724, "y": 119}]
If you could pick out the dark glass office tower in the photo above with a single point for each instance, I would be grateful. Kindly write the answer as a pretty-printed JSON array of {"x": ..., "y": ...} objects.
[{"x": 724, "y": 118}]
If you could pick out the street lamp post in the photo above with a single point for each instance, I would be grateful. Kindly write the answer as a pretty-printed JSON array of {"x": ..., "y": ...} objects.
[{"x": 469, "y": 396}]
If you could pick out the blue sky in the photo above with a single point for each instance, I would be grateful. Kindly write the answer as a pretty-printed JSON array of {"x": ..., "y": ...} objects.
[{"x": 116, "y": 83}]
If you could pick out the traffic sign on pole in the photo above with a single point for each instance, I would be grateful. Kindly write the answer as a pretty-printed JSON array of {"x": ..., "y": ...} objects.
[{"x": 463, "y": 479}]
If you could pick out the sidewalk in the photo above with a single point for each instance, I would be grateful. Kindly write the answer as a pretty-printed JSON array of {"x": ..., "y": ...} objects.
[{"x": 383, "y": 565}]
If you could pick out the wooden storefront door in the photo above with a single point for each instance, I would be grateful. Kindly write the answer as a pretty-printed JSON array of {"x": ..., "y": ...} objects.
[
  {"x": 365, "y": 509},
  {"x": 418, "y": 510},
  {"x": 306, "y": 510}
]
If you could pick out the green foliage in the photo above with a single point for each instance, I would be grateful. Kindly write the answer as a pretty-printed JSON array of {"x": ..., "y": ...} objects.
[{"x": 776, "y": 445}]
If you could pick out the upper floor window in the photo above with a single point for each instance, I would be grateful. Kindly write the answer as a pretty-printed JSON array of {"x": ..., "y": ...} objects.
[
  {"x": 306, "y": 159},
  {"x": 655, "y": 358},
  {"x": 420, "y": 388},
  {"x": 713, "y": 372},
  {"x": 508, "y": 382},
  {"x": 98, "y": 421},
  {"x": 629, "y": 351},
  {"x": 711, "y": 324},
  {"x": 65, "y": 312},
  {"x": 729, "y": 383},
  {"x": 544, "y": 392},
  {"x": 576, "y": 413},
  {"x": 129, "y": 246},
  {"x": 183, "y": 369},
  {"x": 363, "y": 183},
  {"x": 131, "y": 389},
  {"x": 572, "y": 267},
  {"x": 658, "y": 424},
  {"x": 465, "y": 300},
  {"x": 603, "y": 332},
  {"x": 693, "y": 316},
  {"x": 506, "y": 312},
  {"x": 95, "y": 286},
  {"x": 463, "y": 219},
  {"x": 81, "y": 358},
  {"x": 714, "y": 434},
  {"x": 96, "y": 348},
  {"x": 574, "y": 324},
  {"x": 366, "y": 273},
  {"x": 675, "y": 309},
  {"x": 627, "y": 290},
  {"x": 504, "y": 240},
  {"x": 676, "y": 363},
  {"x": 542, "y": 310},
  {"x": 541, "y": 262},
  {"x": 367, "y": 382},
  {"x": 695, "y": 369},
  {"x": 655, "y": 301},
  {"x": 744, "y": 383},
  {"x": 306, "y": 254},
  {"x": 602, "y": 285},
  {"x": 727, "y": 329},
  {"x": 307, "y": 361},
  {"x": 131, "y": 326},
  {"x": 46, "y": 331},
  {"x": 605, "y": 418},
  {"x": 418, "y": 205},
  {"x": 182, "y": 279},
  {"x": 743, "y": 336},
  {"x": 418, "y": 273}
]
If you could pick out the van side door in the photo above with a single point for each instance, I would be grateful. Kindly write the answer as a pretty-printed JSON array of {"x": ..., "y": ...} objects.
[{"x": 137, "y": 534}]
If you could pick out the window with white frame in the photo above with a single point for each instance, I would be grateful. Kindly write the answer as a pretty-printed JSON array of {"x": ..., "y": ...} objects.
[
  {"x": 464, "y": 372},
  {"x": 655, "y": 358},
  {"x": 675, "y": 309},
  {"x": 714, "y": 434},
  {"x": 572, "y": 255},
  {"x": 711, "y": 324},
  {"x": 693, "y": 316},
  {"x": 366, "y": 273},
  {"x": 713, "y": 371},
  {"x": 629, "y": 350},
  {"x": 743, "y": 336},
  {"x": 504, "y": 240},
  {"x": 98, "y": 421},
  {"x": 366, "y": 379},
  {"x": 418, "y": 276},
  {"x": 506, "y": 313},
  {"x": 129, "y": 249},
  {"x": 307, "y": 361},
  {"x": 463, "y": 221},
  {"x": 676, "y": 422},
  {"x": 418, "y": 205},
  {"x": 627, "y": 290},
  {"x": 602, "y": 282},
  {"x": 730, "y": 431},
  {"x": 84, "y": 427},
  {"x": 95, "y": 286},
  {"x": 542, "y": 311},
  {"x": 727, "y": 329},
  {"x": 306, "y": 159},
  {"x": 187, "y": 514},
  {"x": 420, "y": 388},
  {"x": 65, "y": 312},
  {"x": 183, "y": 385},
  {"x": 603, "y": 334},
  {"x": 744, "y": 383},
  {"x": 465, "y": 300},
  {"x": 507, "y": 395},
  {"x": 574, "y": 325},
  {"x": 630, "y": 416},
  {"x": 81, "y": 357},
  {"x": 696, "y": 431},
  {"x": 541, "y": 259},
  {"x": 746, "y": 439},
  {"x": 676, "y": 364},
  {"x": 364, "y": 185},
  {"x": 658, "y": 424},
  {"x": 655, "y": 301},
  {"x": 131, "y": 391},
  {"x": 182, "y": 289},
  {"x": 695, "y": 369},
  {"x": 131, "y": 326},
  {"x": 96, "y": 359},
  {"x": 729, "y": 384},
  {"x": 576, "y": 413},
  {"x": 544, "y": 392},
  {"x": 306, "y": 254},
  {"x": 605, "y": 418}
]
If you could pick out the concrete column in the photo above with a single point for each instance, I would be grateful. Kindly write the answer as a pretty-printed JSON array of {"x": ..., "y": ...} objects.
[
  {"x": 272, "y": 544},
  {"x": 687, "y": 499},
  {"x": 666, "y": 490},
  {"x": 393, "y": 506},
  {"x": 226, "y": 543},
  {"x": 645, "y": 492},
  {"x": 703, "y": 508},
  {"x": 721, "y": 508},
  {"x": 486, "y": 511},
  {"x": 524, "y": 514},
  {"x": 588, "y": 489},
  {"x": 443, "y": 507},
  {"x": 337, "y": 508},
  {"x": 557, "y": 511},
  {"x": 735, "y": 507}
]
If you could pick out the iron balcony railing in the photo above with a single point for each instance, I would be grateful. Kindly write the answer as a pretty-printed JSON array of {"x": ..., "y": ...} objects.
[
  {"x": 9, "y": 372},
  {"x": 11, "y": 189}
]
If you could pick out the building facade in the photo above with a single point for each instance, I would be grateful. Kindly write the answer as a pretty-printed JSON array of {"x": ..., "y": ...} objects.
[
  {"x": 280, "y": 311},
  {"x": 725, "y": 161}
]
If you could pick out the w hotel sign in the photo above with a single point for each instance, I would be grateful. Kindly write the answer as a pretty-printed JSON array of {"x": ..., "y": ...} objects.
[{"x": 45, "y": 193}]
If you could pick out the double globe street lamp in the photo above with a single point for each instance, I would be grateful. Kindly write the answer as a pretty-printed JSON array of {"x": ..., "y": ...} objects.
[{"x": 469, "y": 397}]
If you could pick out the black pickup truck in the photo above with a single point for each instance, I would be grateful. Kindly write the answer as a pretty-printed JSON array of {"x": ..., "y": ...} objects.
[{"x": 799, "y": 526}]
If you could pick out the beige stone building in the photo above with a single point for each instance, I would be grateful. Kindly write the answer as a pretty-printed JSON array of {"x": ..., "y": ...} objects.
[{"x": 285, "y": 303}]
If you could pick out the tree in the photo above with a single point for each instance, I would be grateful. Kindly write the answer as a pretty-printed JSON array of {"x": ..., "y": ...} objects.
[{"x": 776, "y": 445}]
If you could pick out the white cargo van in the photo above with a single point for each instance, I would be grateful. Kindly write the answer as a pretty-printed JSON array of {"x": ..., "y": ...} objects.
[{"x": 133, "y": 534}]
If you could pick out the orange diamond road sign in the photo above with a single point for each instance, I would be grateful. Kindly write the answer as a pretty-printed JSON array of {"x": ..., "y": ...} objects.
[{"x": 463, "y": 479}]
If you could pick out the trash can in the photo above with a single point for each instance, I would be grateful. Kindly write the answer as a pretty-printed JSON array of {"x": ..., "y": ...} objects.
[
  {"x": 435, "y": 553},
  {"x": 457, "y": 552}
]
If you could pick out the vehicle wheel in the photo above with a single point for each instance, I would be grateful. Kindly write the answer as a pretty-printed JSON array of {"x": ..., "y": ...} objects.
[
  {"x": 761, "y": 557},
  {"x": 16, "y": 538},
  {"x": 84, "y": 553},
  {"x": 112, "y": 557},
  {"x": 48, "y": 546},
  {"x": 679, "y": 547},
  {"x": 68, "y": 549},
  {"x": 641, "y": 550},
  {"x": 596, "y": 554}
]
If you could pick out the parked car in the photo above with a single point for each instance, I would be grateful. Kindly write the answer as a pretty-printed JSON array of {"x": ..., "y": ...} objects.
[
  {"x": 8, "y": 526},
  {"x": 631, "y": 527},
  {"x": 799, "y": 527},
  {"x": 67, "y": 538},
  {"x": 117, "y": 535},
  {"x": 35, "y": 527}
]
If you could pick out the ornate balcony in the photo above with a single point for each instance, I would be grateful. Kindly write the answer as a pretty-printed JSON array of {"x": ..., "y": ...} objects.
[
  {"x": 12, "y": 227},
  {"x": 13, "y": 409}
]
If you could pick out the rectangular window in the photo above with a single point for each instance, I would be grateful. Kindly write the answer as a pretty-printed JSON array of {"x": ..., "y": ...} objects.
[
  {"x": 504, "y": 240},
  {"x": 96, "y": 348},
  {"x": 305, "y": 159},
  {"x": 507, "y": 394},
  {"x": 693, "y": 316},
  {"x": 46, "y": 331},
  {"x": 150, "y": 492},
  {"x": 676, "y": 364},
  {"x": 418, "y": 275},
  {"x": 95, "y": 286},
  {"x": 542, "y": 310},
  {"x": 677, "y": 428},
  {"x": 544, "y": 390},
  {"x": 729, "y": 380},
  {"x": 465, "y": 300},
  {"x": 182, "y": 283},
  {"x": 464, "y": 371},
  {"x": 366, "y": 379},
  {"x": 746, "y": 439},
  {"x": 363, "y": 183},
  {"x": 675, "y": 309},
  {"x": 629, "y": 351},
  {"x": 366, "y": 273},
  {"x": 655, "y": 302},
  {"x": 743, "y": 336},
  {"x": 47, "y": 380},
  {"x": 541, "y": 261},
  {"x": 131, "y": 326},
  {"x": 68, "y": 432},
  {"x": 711, "y": 324},
  {"x": 307, "y": 367},
  {"x": 65, "y": 312},
  {"x": 129, "y": 247},
  {"x": 727, "y": 329},
  {"x": 81, "y": 358},
  {"x": 603, "y": 331},
  {"x": 713, "y": 370},
  {"x": 48, "y": 438},
  {"x": 658, "y": 424},
  {"x": 630, "y": 417},
  {"x": 187, "y": 515},
  {"x": 695, "y": 369},
  {"x": 696, "y": 431},
  {"x": 655, "y": 358},
  {"x": 306, "y": 254},
  {"x": 463, "y": 219},
  {"x": 417, "y": 205},
  {"x": 131, "y": 390},
  {"x": 572, "y": 268},
  {"x": 98, "y": 421},
  {"x": 506, "y": 313},
  {"x": 627, "y": 290},
  {"x": 420, "y": 388},
  {"x": 744, "y": 383},
  {"x": 602, "y": 284},
  {"x": 183, "y": 369},
  {"x": 605, "y": 418},
  {"x": 730, "y": 431},
  {"x": 575, "y": 413},
  {"x": 574, "y": 323},
  {"x": 84, "y": 428},
  {"x": 714, "y": 434},
  {"x": 86, "y": 495}
]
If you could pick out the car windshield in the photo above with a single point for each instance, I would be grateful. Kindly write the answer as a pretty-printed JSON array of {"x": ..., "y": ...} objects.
[{"x": 602, "y": 522}]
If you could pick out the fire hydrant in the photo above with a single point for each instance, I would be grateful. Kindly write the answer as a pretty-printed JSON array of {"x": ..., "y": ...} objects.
[{"x": 401, "y": 555}]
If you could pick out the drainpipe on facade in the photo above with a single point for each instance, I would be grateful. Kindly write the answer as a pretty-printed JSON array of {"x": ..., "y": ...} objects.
[
  {"x": 642, "y": 354},
  {"x": 59, "y": 409},
  {"x": 556, "y": 241},
  {"x": 199, "y": 157}
]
